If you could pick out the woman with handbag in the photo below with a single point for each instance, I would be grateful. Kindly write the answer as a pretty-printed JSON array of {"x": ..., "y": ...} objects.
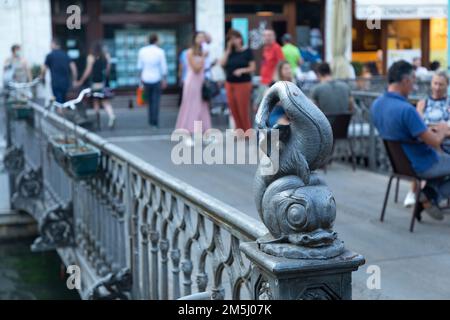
[
  {"x": 98, "y": 67},
  {"x": 193, "y": 107},
  {"x": 239, "y": 65}
]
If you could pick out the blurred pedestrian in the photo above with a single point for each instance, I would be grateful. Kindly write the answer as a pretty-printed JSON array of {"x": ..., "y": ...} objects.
[
  {"x": 421, "y": 72},
  {"x": 239, "y": 64},
  {"x": 193, "y": 108},
  {"x": 152, "y": 65},
  {"x": 331, "y": 96},
  {"x": 435, "y": 66},
  {"x": 284, "y": 73},
  {"x": 15, "y": 68},
  {"x": 63, "y": 71},
  {"x": 98, "y": 66},
  {"x": 370, "y": 70},
  {"x": 271, "y": 56},
  {"x": 291, "y": 53}
]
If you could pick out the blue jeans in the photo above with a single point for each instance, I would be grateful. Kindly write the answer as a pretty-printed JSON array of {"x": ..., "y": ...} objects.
[
  {"x": 153, "y": 93},
  {"x": 438, "y": 179},
  {"x": 60, "y": 94}
]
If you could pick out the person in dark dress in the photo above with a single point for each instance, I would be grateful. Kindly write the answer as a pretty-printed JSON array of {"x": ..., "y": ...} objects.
[
  {"x": 97, "y": 68},
  {"x": 239, "y": 65}
]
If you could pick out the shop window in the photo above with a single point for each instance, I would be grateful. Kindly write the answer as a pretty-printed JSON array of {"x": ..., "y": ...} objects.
[
  {"x": 147, "y": 6},
  {"x": 365, "y": 39},
  {"x": 404, "y": 40},
  {"x": 124, "y": 41}
]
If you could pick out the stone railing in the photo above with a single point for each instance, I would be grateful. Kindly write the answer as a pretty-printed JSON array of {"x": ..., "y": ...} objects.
[{"x": 135, "y": 232}]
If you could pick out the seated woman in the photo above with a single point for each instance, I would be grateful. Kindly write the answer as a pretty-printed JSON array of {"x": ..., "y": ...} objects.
[{"x": 434, "y": 110}]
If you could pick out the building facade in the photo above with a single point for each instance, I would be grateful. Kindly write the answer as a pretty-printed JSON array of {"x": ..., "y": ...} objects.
[
  {"x": 405, "y": 30},
  {"x": 124, "y": 26}
]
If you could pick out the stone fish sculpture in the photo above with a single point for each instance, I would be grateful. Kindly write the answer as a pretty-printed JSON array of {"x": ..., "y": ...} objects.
[{"x": 294, "y": 203}]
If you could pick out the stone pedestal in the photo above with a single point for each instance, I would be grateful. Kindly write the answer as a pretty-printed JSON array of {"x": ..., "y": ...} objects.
[{"x": 301, "y": 279}]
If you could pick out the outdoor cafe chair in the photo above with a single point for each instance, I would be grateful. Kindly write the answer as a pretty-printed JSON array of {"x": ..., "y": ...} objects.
[
  {"x": 401, "y": 169},
  {"x": 340, "y": 123}
]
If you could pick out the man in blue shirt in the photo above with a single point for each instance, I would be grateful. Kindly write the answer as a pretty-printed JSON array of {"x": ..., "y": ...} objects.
[
  {"x": 63, "y": 71},
  {"x": 396, "y": 119}
]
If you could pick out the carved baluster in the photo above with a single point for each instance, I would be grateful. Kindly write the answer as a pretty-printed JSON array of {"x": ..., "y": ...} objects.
[
  {"x": 99, "y": 220},
  {"x": 187, "y": 267},
  {"x": 202, "y": 280},
  {"x": 111, "y": 237},
  {"x": 136, "y": 266},
  {"x": 175, "y": 256},
  {"x": 154, "y": 239},
  {"x": 144, "y": 267},
  {"x": 105, "y": 234},
  {"x": 164, "y": 247},
  {"x": 202, "y": 277},
  {"x": 218, "y": 293},
  {"x": 92, "y": 227},
  {"x": 121, "y": 225}
]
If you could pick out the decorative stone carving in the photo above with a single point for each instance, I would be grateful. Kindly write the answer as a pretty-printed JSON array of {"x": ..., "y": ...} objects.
[
  {"x": 114, "y": 286},
  {"x": 218, "y": 294},
  {"x": 55, "y": 229},
  {"x": 319, "y": 293},
  {"x": 202, "y": 281},
  {"x": 29, "y": 184},
  {"x": 264, "y": 291},
  {"x": 294, "y": 203},
  {"x": 14, "y": 160}
]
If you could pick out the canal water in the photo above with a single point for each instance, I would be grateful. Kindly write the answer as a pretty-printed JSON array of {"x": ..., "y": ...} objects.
[{"x": 31, "y": 276}]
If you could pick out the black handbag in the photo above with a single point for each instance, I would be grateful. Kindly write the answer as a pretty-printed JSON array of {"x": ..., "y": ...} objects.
[{"x": 210, "y": 89}]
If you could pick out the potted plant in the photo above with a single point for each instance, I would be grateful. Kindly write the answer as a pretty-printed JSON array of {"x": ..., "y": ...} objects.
[
  {"x": 21, "y": 111},
  {"x": 83, "y": 160},
  {"x": 57, "y": 145},
  {"x": 79, "y": 159}
]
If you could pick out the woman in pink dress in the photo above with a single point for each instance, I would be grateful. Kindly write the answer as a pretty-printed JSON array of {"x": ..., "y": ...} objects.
[{"x": 193, "y": 107}]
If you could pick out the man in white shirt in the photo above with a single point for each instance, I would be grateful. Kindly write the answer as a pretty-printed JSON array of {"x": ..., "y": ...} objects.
[{"x": 152, "y": 66}]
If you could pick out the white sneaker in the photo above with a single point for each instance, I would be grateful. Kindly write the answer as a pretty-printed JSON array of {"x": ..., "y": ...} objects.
[
  {"x": 112, "y": 121},
  {"x": 410, "y": 199}
]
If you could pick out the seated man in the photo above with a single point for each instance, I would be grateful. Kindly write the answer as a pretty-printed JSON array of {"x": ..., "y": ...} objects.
[
  {"x": 331, "y": 96},
  {"x": 396, "y": 119}
]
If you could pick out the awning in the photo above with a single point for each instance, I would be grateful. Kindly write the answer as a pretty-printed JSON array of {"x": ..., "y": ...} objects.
[{"x": 400, "y": 9}]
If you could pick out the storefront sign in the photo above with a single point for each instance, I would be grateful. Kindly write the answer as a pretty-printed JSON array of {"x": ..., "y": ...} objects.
[{"x": 401, "y": 9}]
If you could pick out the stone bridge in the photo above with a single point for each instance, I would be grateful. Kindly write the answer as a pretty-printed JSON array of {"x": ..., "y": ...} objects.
[{"x": 136, "y": 232}]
